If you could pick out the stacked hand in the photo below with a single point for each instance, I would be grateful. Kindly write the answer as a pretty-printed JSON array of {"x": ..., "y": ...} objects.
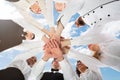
[
  {"x": 52, "y": 50},
  {"x": 55, "y": 45}
]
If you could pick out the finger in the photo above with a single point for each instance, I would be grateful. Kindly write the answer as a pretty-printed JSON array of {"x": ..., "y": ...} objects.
[
  {"x": 55, "y": 43},
  {"x": 50, "y": 44}
]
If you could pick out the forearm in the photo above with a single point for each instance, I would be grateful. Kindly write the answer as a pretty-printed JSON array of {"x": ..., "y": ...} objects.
[
  {"x": 69, "y": 74},
  {"x": 87, "y": 60},
  {"x": 37, "y": 70}
]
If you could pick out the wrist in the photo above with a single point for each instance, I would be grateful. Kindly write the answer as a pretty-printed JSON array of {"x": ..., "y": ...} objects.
[
  {"x": 60, "y": 58},
  {"x": 45, "y": 58}
]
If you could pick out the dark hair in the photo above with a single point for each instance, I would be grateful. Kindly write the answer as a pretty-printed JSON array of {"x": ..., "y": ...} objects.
[
  {"x": 13, "y": 0},
  {"x": 78, "y": 72},
  {"x": 80, "y": 21},
  {"x": 25, "y": 33},
  {"x": 33, "y": 36}
]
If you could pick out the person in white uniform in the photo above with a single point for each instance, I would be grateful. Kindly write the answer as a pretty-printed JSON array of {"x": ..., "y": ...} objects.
[
  {"x": 84, "y": 73},
  {"x": 107, "y": 53},
  {"x": 67, "y": 12},
  {"x": 99, "y": 19},
  {"x": 55, "y": 53},
  {"x": 22, "y": 64}
]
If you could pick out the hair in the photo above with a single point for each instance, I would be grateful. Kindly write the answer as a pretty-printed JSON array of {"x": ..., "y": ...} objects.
[
  {"x": 80, "y": 21},
  {"x": 96, "y": 54},
  {"x": 33, "y": 36},
  {"x": 13, "y": 0},
  {"x": 78, "y": 72},
  {"x": 25, "y": 33}
]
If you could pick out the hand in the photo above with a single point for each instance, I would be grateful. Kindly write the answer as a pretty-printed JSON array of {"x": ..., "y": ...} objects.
[
  {"x": 65, "y": 42},
  {"x": 55, "y": 49},
  {"x": 47, "y": 54}
]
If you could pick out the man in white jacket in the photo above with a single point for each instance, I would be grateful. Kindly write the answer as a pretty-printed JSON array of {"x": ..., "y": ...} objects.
[
  {"x": 20, "y": 68},
  {"x": 52, "y": 50},
  {"x": 85, "y": 73},
  {"x": 97, "y": 18}
]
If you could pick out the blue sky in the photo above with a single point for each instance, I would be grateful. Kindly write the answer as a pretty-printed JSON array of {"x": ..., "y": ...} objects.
[{"x": 107, "y": 73}]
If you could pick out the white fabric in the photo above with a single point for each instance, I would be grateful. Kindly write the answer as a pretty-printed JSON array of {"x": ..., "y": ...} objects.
[
  {"x": 89, "y": 75},
  {"x": 90, "y": 5},
  {"x": 47, "y": 10},
  {"x": 28, "y": 22},
  {"x": 69, "y": 10},
  {"x": 22, "y": 66},
  {"x": 110, "y": 54},
  {"x": 102, "y": 14},
  {"x": 90, "y": 62},
  {"x": 37, "y": 70},
  {"x": 20, "y": 62},
  {"x": 67, "y": 70},
  {"x": 107, "y": 58},
  {"x": 92, "y": 35}
]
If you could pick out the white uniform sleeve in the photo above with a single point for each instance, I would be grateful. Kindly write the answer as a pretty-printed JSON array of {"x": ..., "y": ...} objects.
[
  {"x": 47, "y": 10},
  {"x": 23, "y": 6},
  {"x": 27, "y": 54},
  {"x": 89, "y": 75},
  {"x": 92, "y": 36},
  {"x": 67, "y": 70},
  {"x": 68, "y": 11},
  {"x": 37, "y": 70},
  {"x": 89, "y": 61},
  {"x": 21, "y": 65}
]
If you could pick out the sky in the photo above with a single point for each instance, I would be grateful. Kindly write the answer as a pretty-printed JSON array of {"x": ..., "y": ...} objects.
[{"x": 7, "y": 56}]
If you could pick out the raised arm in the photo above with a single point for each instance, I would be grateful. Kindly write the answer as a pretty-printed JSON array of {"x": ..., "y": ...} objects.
[{"x": 65, "y": 65}]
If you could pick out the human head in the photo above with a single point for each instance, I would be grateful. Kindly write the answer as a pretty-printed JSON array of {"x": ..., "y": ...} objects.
[
  {"x": 13, "y": 0},
  {"x": 27, "y": 35},
  {"x": 35, "y": 8},
  {"x": 81, "y": 67},
  {"x": 55, "y": 64},
  {"x": 31, "y": 61},
  {"x": 94, "y": 47},
  {"x": 79, "y": 22},
  {"x": 59, "y": 6}
]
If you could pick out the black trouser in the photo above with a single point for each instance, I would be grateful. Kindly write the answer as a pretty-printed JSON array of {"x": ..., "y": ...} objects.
[{"x": 11, "y": 73}]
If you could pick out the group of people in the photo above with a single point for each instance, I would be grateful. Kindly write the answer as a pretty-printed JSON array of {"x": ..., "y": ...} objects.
[{"x": 105, "y": 47}]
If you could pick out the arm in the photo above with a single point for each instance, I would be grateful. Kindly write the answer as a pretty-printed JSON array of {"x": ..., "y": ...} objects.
[
  {"x": 38, "y": 68},
  {"x": 92, "y": 63},
  {"x": 67, "y": 70},
  {"x": 92, "y": 36},
  {"x": 68, "y": 12},
  {"x": 65, "y": 65},
  {"x": 47, "y": 10},
  {"x": 89, "y": 75},
  {"x": 27, "y": 54},
  {"x": 22, "y": 6},
  {"x": 89, "y": 61}
]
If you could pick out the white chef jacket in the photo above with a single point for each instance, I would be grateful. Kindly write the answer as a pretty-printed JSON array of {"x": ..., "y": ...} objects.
[
  {"x": 69, "y": 10},
  {"x": 110, "y": 54},
  {"x": 91, "y": 62},
  {"x": 22, "y": 66},
  {"x": 37, "y": 70},
  {"x": 20, "y": 61},
  {"x": 89, "y": 75}
]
